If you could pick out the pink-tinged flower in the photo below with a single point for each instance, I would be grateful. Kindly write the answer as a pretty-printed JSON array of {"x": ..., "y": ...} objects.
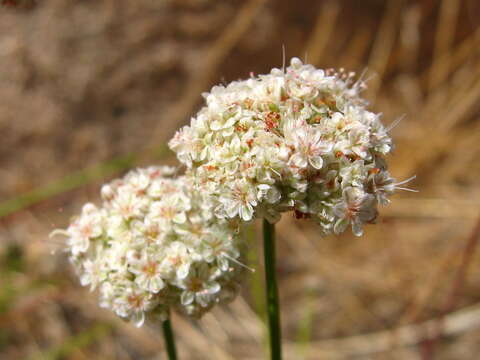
[
  {"x": 355, "y": 208},
  {"x": 309, "y": 148},
  {"x": 148, "y": 272},
  {"x": 241, "y": 201}
]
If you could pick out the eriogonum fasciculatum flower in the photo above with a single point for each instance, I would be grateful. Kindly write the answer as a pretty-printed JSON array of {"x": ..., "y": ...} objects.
[
  {"x": 154, "y": 245},
  {"x": 296, "y": 139}
]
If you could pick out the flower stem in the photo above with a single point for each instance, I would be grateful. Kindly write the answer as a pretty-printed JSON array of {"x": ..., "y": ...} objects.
[
  {"x": 273, "y": 308},
  {"x": 169, "y": 339}
]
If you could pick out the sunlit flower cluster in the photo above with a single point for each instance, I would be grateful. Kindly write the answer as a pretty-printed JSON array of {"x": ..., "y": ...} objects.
[
  {"x": 296, "y": 139},
  {"x": 154, "y": 244}
]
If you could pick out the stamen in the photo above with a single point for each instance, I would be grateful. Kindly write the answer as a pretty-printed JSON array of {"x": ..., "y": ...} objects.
[
  {"x": 406, "y": 181},
  {"x": 360, "y": 78},
  {"x": 238, "y": 262},
  {"x": 370, "y": 77},
  {"x": 406, "y": 189},
  {"x": 395, "y": 123}
]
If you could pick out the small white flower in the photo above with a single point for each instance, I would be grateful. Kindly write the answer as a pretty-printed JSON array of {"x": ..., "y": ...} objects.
[
  {"x": 241, "y": 200},
  {"x": 93, "y": 273},
  {"x": 84, "y": 229},
  {"x": 177, "y": 260},
  {"x": 148, "y": 273},
  {"x": 355, "y": 174},
  {"x": 127, "y": 204},
  {"x": 133, "y": 303},
  {"x": 199, "y": 287},
  {"x": 309, "y": 148},
  {"x": 356, "y": 208}
]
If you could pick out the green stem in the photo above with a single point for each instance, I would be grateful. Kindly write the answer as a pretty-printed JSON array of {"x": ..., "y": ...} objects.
[
  {"x": 169, "y": 339},
  {"x": 273, "y": 308}
]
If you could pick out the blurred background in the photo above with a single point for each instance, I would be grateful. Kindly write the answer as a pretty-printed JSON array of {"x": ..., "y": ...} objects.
[{"x": 89, "y": 89}]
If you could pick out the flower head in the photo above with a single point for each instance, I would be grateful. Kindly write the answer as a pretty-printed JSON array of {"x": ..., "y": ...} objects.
[
  {"x": 154, "y": 245},
  {"x": 296, "y": 139}
]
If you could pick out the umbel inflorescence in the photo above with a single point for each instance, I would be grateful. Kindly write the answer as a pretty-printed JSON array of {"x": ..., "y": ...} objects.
[
  {"x": 297, "y": 139},
  {"x": 153, "y": 245}
]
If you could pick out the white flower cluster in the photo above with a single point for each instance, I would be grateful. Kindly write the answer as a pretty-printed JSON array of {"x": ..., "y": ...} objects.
[
  {"x": 154, "y": 245},
  {"x": 296, "y": 139}
]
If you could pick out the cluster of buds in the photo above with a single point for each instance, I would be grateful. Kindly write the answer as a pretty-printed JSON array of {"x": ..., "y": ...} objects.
[
  {"x": 296, "y": 139},
  {"x": 153, "y": 245}
]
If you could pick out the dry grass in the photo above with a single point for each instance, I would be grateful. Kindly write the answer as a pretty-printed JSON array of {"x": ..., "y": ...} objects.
[{"x": 101, "y": 85}]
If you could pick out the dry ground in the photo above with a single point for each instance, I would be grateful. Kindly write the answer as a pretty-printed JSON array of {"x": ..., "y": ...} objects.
[{"x": 91, "y": 88}]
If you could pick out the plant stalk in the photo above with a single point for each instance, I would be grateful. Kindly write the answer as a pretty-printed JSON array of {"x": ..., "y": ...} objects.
[
  {"x": 273, "y": 307},
  {"x": 169, "y": 339}
]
